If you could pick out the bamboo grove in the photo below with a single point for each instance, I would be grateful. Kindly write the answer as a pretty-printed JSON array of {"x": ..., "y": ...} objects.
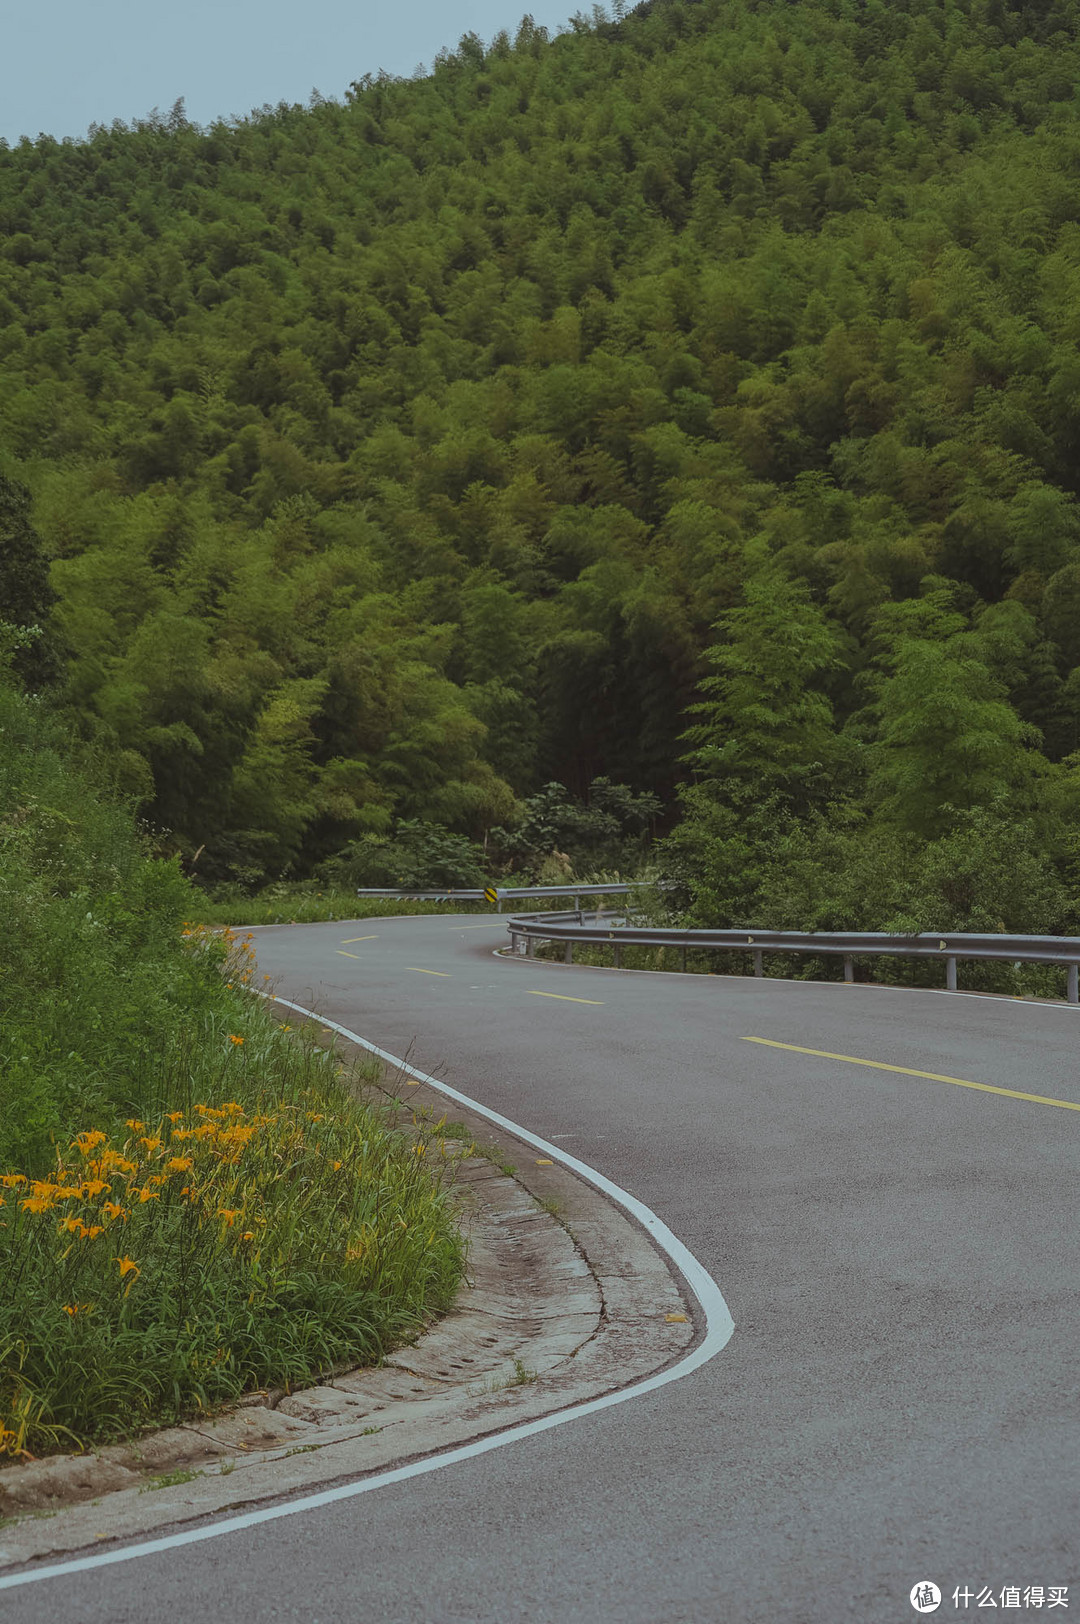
[{"x": 688, "y": 401}]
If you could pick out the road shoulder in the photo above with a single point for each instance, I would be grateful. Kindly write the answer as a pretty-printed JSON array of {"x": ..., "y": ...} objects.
[{"x": 566, "y": 1299}]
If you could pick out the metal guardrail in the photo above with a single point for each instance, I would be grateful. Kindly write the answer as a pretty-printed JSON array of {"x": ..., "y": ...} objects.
[
  {"x": 502, "y": 893},
  {"x": 571, "y": 928}
]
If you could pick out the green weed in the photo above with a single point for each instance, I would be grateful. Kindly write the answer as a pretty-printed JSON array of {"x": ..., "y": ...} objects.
[{"x": 170, "y": 1480}]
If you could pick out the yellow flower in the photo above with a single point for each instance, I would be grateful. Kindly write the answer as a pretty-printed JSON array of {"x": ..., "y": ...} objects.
[
  {"x": 135, "y": 1125},
  {"x": 178, "y": 1164},
  {"x": 87, "y": 1141},
  {"x": 112, "y": 1209},
  {"x": 248, "y": 1235},
  {"x": 77, "y": 1308},
  {"x": 234, "y": 1039},
  {"x": 36, "y": 1203},
  {"x": 147, "y": 1194},
  {"x": 174, "y": 1116},
  {"x": 181, "y": 1134},
  {"x": 230, "y": 1214},
  {"x": 93, "y": 1187},
  {"x": 11, "y": 1181},
  {"x": 111, "y": 1161},
  {"x": 151, "y": 1145},
  {"x": 127, "y": 1264}
]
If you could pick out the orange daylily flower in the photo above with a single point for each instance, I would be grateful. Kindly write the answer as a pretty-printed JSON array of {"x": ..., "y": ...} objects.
[{"x": 36, "y": 1203}]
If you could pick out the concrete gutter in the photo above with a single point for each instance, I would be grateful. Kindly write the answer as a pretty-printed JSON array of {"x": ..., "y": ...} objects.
[{"x": 567, "y": 1299}]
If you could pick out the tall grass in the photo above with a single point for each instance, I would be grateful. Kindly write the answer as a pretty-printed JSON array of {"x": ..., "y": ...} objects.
[{"x": 300, "y": 905}]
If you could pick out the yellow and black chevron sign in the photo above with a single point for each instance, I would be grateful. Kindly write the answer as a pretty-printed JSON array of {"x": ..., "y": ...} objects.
[{"x": 490, "y": 894}]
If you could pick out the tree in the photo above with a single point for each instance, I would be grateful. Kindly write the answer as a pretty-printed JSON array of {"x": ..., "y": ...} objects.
[
  {"x": 765, "y": 727},
  {"x": 947, "y": 740},
  {"x": 26, "y": 598}
]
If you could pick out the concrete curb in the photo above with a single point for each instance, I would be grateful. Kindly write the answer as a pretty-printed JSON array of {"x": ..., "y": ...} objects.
[{"x": 557, "y": 1310}]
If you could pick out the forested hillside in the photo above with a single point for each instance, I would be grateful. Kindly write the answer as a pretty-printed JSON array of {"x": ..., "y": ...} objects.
[{"x": 691, "y": 399}]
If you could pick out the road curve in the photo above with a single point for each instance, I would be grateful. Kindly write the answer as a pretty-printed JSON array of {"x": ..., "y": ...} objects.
[{"x": 899, "y": 1401}]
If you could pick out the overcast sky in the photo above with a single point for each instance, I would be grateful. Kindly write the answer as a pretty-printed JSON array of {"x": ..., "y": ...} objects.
[{"x": 77, "y": 62}]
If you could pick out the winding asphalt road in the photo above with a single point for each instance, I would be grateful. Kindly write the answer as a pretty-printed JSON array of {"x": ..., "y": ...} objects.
[{"x": 899, "y": 1401}]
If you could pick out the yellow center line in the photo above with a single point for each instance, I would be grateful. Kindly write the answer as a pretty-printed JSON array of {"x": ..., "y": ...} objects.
[
  {"x": 420, "y": 972},
  {"x": 345, "y": 955},
  {"x": 532, "y": 991},
  {"x": 909, "y": 1071},
  {"x": 349, "y": 940}
]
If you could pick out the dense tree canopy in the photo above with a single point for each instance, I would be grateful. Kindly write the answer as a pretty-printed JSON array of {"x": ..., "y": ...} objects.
[{"x": 716, "y": 368}]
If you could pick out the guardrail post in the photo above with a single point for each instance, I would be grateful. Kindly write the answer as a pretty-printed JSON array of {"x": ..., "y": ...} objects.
[
  {"x": 950, "y": 974},
  {"x": 684, "y": 960},
  {"x": 514, "y": 940},
  {"x": 529, "y": 947},
  {"x": 618, "y": 956},
  {"x": 1074, "y": 984},
  {"x": 759, "y": 962},
  {"x": 568, "y": 953},
  {"x": 849, "y": 969}
]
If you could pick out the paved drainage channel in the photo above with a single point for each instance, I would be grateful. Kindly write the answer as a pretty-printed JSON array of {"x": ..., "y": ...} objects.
[{"x": 566, "y": 1299}]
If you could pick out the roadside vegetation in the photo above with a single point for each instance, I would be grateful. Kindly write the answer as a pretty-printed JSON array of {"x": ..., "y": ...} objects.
[
  {"x": 192, "y": 1200},
  {"x": 302, "y": 904}
]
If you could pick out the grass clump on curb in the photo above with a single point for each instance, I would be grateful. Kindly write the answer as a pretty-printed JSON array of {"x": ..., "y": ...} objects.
[{"x": 193, "y": 1202}]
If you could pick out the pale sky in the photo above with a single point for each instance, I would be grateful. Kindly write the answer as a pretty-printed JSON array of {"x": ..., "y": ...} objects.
[{"x": 77, "y": 62}]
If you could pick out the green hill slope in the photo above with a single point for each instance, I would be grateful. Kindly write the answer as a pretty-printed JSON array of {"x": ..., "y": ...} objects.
[{"x": 396, "y": 457}]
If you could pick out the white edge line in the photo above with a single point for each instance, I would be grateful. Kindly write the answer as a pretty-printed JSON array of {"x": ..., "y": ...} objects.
[{"x": 718, "y": 1329}]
